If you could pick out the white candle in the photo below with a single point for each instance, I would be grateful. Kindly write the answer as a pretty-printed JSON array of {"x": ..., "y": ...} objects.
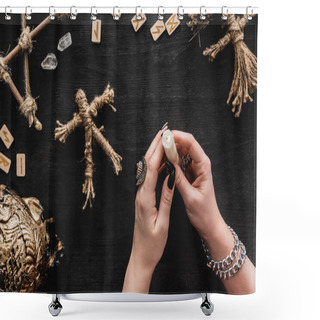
[{"x": 170, "y": 147}]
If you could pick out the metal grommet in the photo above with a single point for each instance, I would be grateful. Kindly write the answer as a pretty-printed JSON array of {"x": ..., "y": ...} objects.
[
  {"x": 7, "y": 10},
  {"x": 160, "y": 15},
  {"x": 28, "y": 13},
  {"x": 116, "y": 13},
  {"x": 203, "y": 13},
  {"x": 52, "y": 12},
  {"x": 180, "y": 12},
  {"x": 93, "y": 16},
  {"x": 224, "y": 13},
  {"x": 249, "y": 15},
  {"x": 73, "y": 13},
  {"x": 138, "y": 15}
]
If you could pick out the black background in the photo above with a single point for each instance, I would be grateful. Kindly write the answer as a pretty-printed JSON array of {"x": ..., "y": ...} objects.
[{"x": 168, "y": 80}]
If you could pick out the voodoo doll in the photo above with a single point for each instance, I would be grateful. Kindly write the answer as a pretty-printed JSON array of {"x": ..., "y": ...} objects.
[
  {"x": 84, "y": 118},
  {"x": 245, "y": 63}
]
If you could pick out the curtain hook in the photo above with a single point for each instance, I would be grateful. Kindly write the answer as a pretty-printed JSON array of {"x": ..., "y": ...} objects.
[
  {"x": 138, "y": 15},
  {"x": 203, "y": 12},
  {"x": 249, "y": 15},
  {"x": 180, "y": 12},
  {"x": 224, "y": 13},
  {"x": 73, "y": 13},
  {"x": 7, "y": 10},
  {"x": 116, "y": 15},
  {"x": 93, "y": 16},
  {"x": 28, "y": 13},
  {"x": 52, "y": 11},
  {"x": 160, "y": 15}
]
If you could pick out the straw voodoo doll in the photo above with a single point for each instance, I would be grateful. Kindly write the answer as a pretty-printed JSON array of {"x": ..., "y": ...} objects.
[
  {"x": 84, "y": 118},
  {"x": 245, "y": 63}
]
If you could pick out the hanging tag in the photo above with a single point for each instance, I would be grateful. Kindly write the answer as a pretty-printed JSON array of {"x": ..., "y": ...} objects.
[
  {"x": 137, "y": 24},
  {"x": 6, "y": 136},
  {"x": 157, "y": 29},
  {"x": 172, "y": 23},
  {"x": 4, "y": 163},
  {"x": 96, "y": 31},
  {"x": 21, "y": 164}
]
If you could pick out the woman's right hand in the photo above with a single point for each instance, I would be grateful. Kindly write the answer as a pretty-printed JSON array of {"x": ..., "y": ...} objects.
[
  {"x": 197, "y": 191},
  {"x": 196, "y": 188}
]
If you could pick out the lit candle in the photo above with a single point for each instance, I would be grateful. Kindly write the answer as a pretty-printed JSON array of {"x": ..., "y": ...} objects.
[{"x": 170, "y": 147}]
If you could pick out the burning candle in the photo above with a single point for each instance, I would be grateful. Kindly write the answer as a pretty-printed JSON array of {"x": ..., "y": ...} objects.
[{"x": 170, "y": 147}]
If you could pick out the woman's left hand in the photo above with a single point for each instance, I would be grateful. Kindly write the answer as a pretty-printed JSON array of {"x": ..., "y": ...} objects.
[{"x": 151, "y": 225}]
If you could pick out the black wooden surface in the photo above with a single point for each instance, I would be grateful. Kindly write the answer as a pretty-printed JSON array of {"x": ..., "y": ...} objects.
[{"x": 154, "y": 82}]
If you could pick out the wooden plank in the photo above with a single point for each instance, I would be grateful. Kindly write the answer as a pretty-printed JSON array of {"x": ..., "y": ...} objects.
[
  {"x": 6, "y": 136},
  {"x": 5, "y": 163},
  {"x": 96, "y": 31},
  {"x": 157, "y": 29},
  {"x": 172, "y": 24},
  {"x": 21, "y": 164},
  {"x": 137, "y": 24}
]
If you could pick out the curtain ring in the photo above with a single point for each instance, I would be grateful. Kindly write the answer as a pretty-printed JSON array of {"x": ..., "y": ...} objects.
[
  {"x": 73, "y": 13},
  {"x": 160, "y": 15},
  {"x": 116, "y": 15},
  {"x": 249, "y": 15},
  {"x": 180, "y": 12},
  {"x": 28, "y": 13},
  {"x": 52, "y": 12},
  {"x": 93, "y": 16},
  {"x": 224, "y": 13},
  {"x": 138, "y": 15},
  {"x": 203, "y": 12},
  {"x": 7, "y": 10}
]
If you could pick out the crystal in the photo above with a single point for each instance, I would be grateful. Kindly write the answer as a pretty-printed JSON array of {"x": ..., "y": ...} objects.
[
  {"x": 65, "y": 42},
  {"x": 50, "y": 62}
]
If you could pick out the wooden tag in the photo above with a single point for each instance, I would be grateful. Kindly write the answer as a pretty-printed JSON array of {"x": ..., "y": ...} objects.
[
  {"x": 137, "y": 24},
  {"x": 96, "y": 31},
  {"x": 4, "y": 163},
  {"x": 21, "y": 164},
  {"x": 6, "y": 136},
  {"x": 157, "y": 29},
  {"x": 172, "y": 23}
]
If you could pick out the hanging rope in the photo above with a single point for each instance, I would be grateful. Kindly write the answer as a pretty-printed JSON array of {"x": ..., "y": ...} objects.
[
  {"x": 245, "y": 63},
  {"x": 25, "y": 40},
  {"x": 4, "y": 71}
]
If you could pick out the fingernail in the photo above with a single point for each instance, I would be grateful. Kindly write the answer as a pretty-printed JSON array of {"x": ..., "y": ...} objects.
[
  {"x": 165, "y": 125},
  {"x": 172, "y": 173}
]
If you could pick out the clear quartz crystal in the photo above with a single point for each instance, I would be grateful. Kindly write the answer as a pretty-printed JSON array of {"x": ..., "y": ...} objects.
[
  {"x": 65, "y": 42},
  {"x": 50, "y": 62}
]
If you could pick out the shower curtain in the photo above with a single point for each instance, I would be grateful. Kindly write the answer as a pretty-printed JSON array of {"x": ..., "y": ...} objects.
[{"x": 71, "y": 147}]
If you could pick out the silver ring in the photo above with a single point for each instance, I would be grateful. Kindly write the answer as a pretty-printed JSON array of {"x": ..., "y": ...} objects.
[
  {"x": 203, "y": 13},
  {"x": 160, "y": 15},
  {"x": 141, "y": 171},
  {"x": 116, "y": 15},
  {"x": 73, "y": 13},
  {"x": 52, "y": 12},
  {"x": 28, "y": 13},
  {"x": 138, "y": 15},
  {"x": 7, "y": 10},
  {"x": 224, "y": 13},
  {"x": 180, "y": 12},
  {"x": 249, "y": 15},
  {"x": 93, "y": 16}
]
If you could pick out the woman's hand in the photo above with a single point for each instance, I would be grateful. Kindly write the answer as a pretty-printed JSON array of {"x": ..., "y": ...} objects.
[
  {"x": 197, "y": 191},
  {"x": 196, "y": 188},
  {"x": 151, "y": 225}
]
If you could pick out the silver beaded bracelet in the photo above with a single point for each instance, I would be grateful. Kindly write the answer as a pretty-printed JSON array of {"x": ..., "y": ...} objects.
[{"x": 220, "y": 266}]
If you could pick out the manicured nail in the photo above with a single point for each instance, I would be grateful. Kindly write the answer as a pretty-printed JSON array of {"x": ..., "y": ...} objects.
[
  {"x": 165, "y": 125},
  {"x": 172, "y": 173}
]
